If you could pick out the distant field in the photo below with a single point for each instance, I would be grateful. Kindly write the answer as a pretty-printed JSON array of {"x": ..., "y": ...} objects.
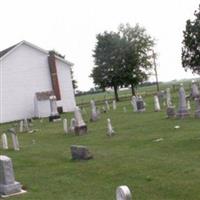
[
  {"x": 165, "y": 170},
  {"x": 141, "y": 90}
]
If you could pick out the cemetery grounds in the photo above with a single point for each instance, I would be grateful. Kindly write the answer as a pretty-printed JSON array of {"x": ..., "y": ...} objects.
[{"x": 164, "y": 170}]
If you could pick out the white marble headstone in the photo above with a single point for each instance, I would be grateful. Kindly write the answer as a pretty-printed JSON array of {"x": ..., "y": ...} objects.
[
  {"x": 123, "y": 193},
  {"x": 4, "y": 141},
  {"x": 109, "y": 127},
  {"x": 65, "y": 126},
  {"x": 114, "y": 105},
  {"x": 156, "y": 103}
]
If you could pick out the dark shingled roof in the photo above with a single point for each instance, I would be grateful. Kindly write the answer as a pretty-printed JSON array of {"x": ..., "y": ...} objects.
[{"x": 5, "y": 51}]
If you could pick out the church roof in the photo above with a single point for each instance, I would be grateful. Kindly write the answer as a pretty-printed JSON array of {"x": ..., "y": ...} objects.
[{"x": 10, "y": 49}]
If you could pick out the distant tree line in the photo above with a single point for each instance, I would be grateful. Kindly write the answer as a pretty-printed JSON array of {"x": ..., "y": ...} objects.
[{"x": 122, "y": 58}]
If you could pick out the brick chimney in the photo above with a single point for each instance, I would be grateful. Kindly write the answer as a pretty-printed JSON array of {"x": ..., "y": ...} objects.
[{"x": 53, "y": 73}]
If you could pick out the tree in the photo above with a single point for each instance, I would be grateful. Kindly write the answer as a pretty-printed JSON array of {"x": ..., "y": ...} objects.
[
  {"x": 74, "y": 82},
  {"x": 107, "y": 55},
  {"x": 137, "y": 54},
  {"x": 191, "y": 44}
]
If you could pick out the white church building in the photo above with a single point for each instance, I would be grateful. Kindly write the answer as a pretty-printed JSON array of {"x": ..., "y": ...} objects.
[{"x": 29, "y": 75}]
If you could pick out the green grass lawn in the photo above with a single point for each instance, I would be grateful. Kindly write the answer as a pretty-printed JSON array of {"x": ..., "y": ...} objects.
[{"x": 164, "y": 170}]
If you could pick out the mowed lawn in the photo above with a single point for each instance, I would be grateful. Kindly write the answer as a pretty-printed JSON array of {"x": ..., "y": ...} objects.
[{"x": 165, "y": 170}]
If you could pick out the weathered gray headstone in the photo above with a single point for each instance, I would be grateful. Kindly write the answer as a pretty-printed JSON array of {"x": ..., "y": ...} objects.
[
  {"x": 134, "y": 103},
  {"x": 140, "y": 104},
  {"x": 197, "y": 107},
  {"x": 80, "y": 126},
  {"x": 65, "y": 126},
  {"x": 72, "y": 125},
  {"x": 194, "y": 90},
  {"x": 188, "y": 105},
  {"x": 182, "y": 111},
  {"x": 54, "y": 111},
  {"x": 114, "y": 105},
  {"x": 109, "y": 128},
  {"x": 156, "y": 104},
  {"x": 21, "y": 126},
  {"x": 123, "y": 193},
  {"x": 26, "y": 125},
  {"x": 79, "y": 152},
  {"x": 124, "y": 109},
  {"x": 4, "y": 141},
  {"x": 8, "y": 185},
  {"x": 94, "y": 115},
  {"x": 171, "y": 112},
  {"x": 168, "y": 97},
  {"x": 14, "y": 139},
  {"x": 107, "y": 105}
]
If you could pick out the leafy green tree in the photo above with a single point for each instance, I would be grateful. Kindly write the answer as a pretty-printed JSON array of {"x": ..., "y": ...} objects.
[
  {"x": 137, "y": 54},
  {"x": 191, "y": 44},
  {"x": 107, "y": 55}
]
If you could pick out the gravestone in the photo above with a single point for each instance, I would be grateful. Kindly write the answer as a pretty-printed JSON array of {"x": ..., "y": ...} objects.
[
  {"x": 21, "y": 126},
  {"x": 94, "y": 115},
  {"x": 123, "y": 193},
  {"x": 79, "y": 152},
  {"x": 80, "y": 126},
  {"x": 194, "y": 91},
  {"x": 156, "y": 104},
  {"x": 8, "y": 185},
  {"x": 54, "y": 116},
  {"x": 65, "y": 126},
  {"x": 182, "y": 111},
  {"x": 168, "y": 97},
  {"x": 103, "y": 109},
  {"x": 72, "y": 125},
  {"x": 14, "y": 139},
  {"x": 140, "y": 104},
  {"x": 110, "y": 130},
  {"x": 26, "y": 125},
  {"x": 107, "y": 105},
  {"x": 124, "y": 109},
  {"x": 134, "y": 103},
  {"x": 188, "y": 105},
  {"x": 171, "y": 113},
  {"x": 114, "y": 105},
  {"x": 4, "y": 141},
  {"x": 197, "y": 107}
]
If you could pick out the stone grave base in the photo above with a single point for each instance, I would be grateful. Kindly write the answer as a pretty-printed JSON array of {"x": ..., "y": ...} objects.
[
  {"x": 182, "y": 114},
  {"x": 80, "y": 130},
  {"x": 79, "y": 152},
  {"x": 54, "y": 118},
  {"x": 197, "y": 114},
  {"x": 171, "y": 112},
  {"x": 15, "y": 194},
  {"x": 10, "y": 188}
]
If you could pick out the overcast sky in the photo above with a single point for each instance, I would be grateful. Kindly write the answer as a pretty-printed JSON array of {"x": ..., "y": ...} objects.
[{"x": 70, "y": 27}]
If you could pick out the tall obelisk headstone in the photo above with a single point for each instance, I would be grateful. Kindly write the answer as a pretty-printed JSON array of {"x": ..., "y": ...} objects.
[
  {"x": 196, "y": 97},
  {"x": 182, "y": 110}
]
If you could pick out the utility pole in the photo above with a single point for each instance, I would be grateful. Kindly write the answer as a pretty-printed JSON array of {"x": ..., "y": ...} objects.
[{"x": 155, "y": 69}]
